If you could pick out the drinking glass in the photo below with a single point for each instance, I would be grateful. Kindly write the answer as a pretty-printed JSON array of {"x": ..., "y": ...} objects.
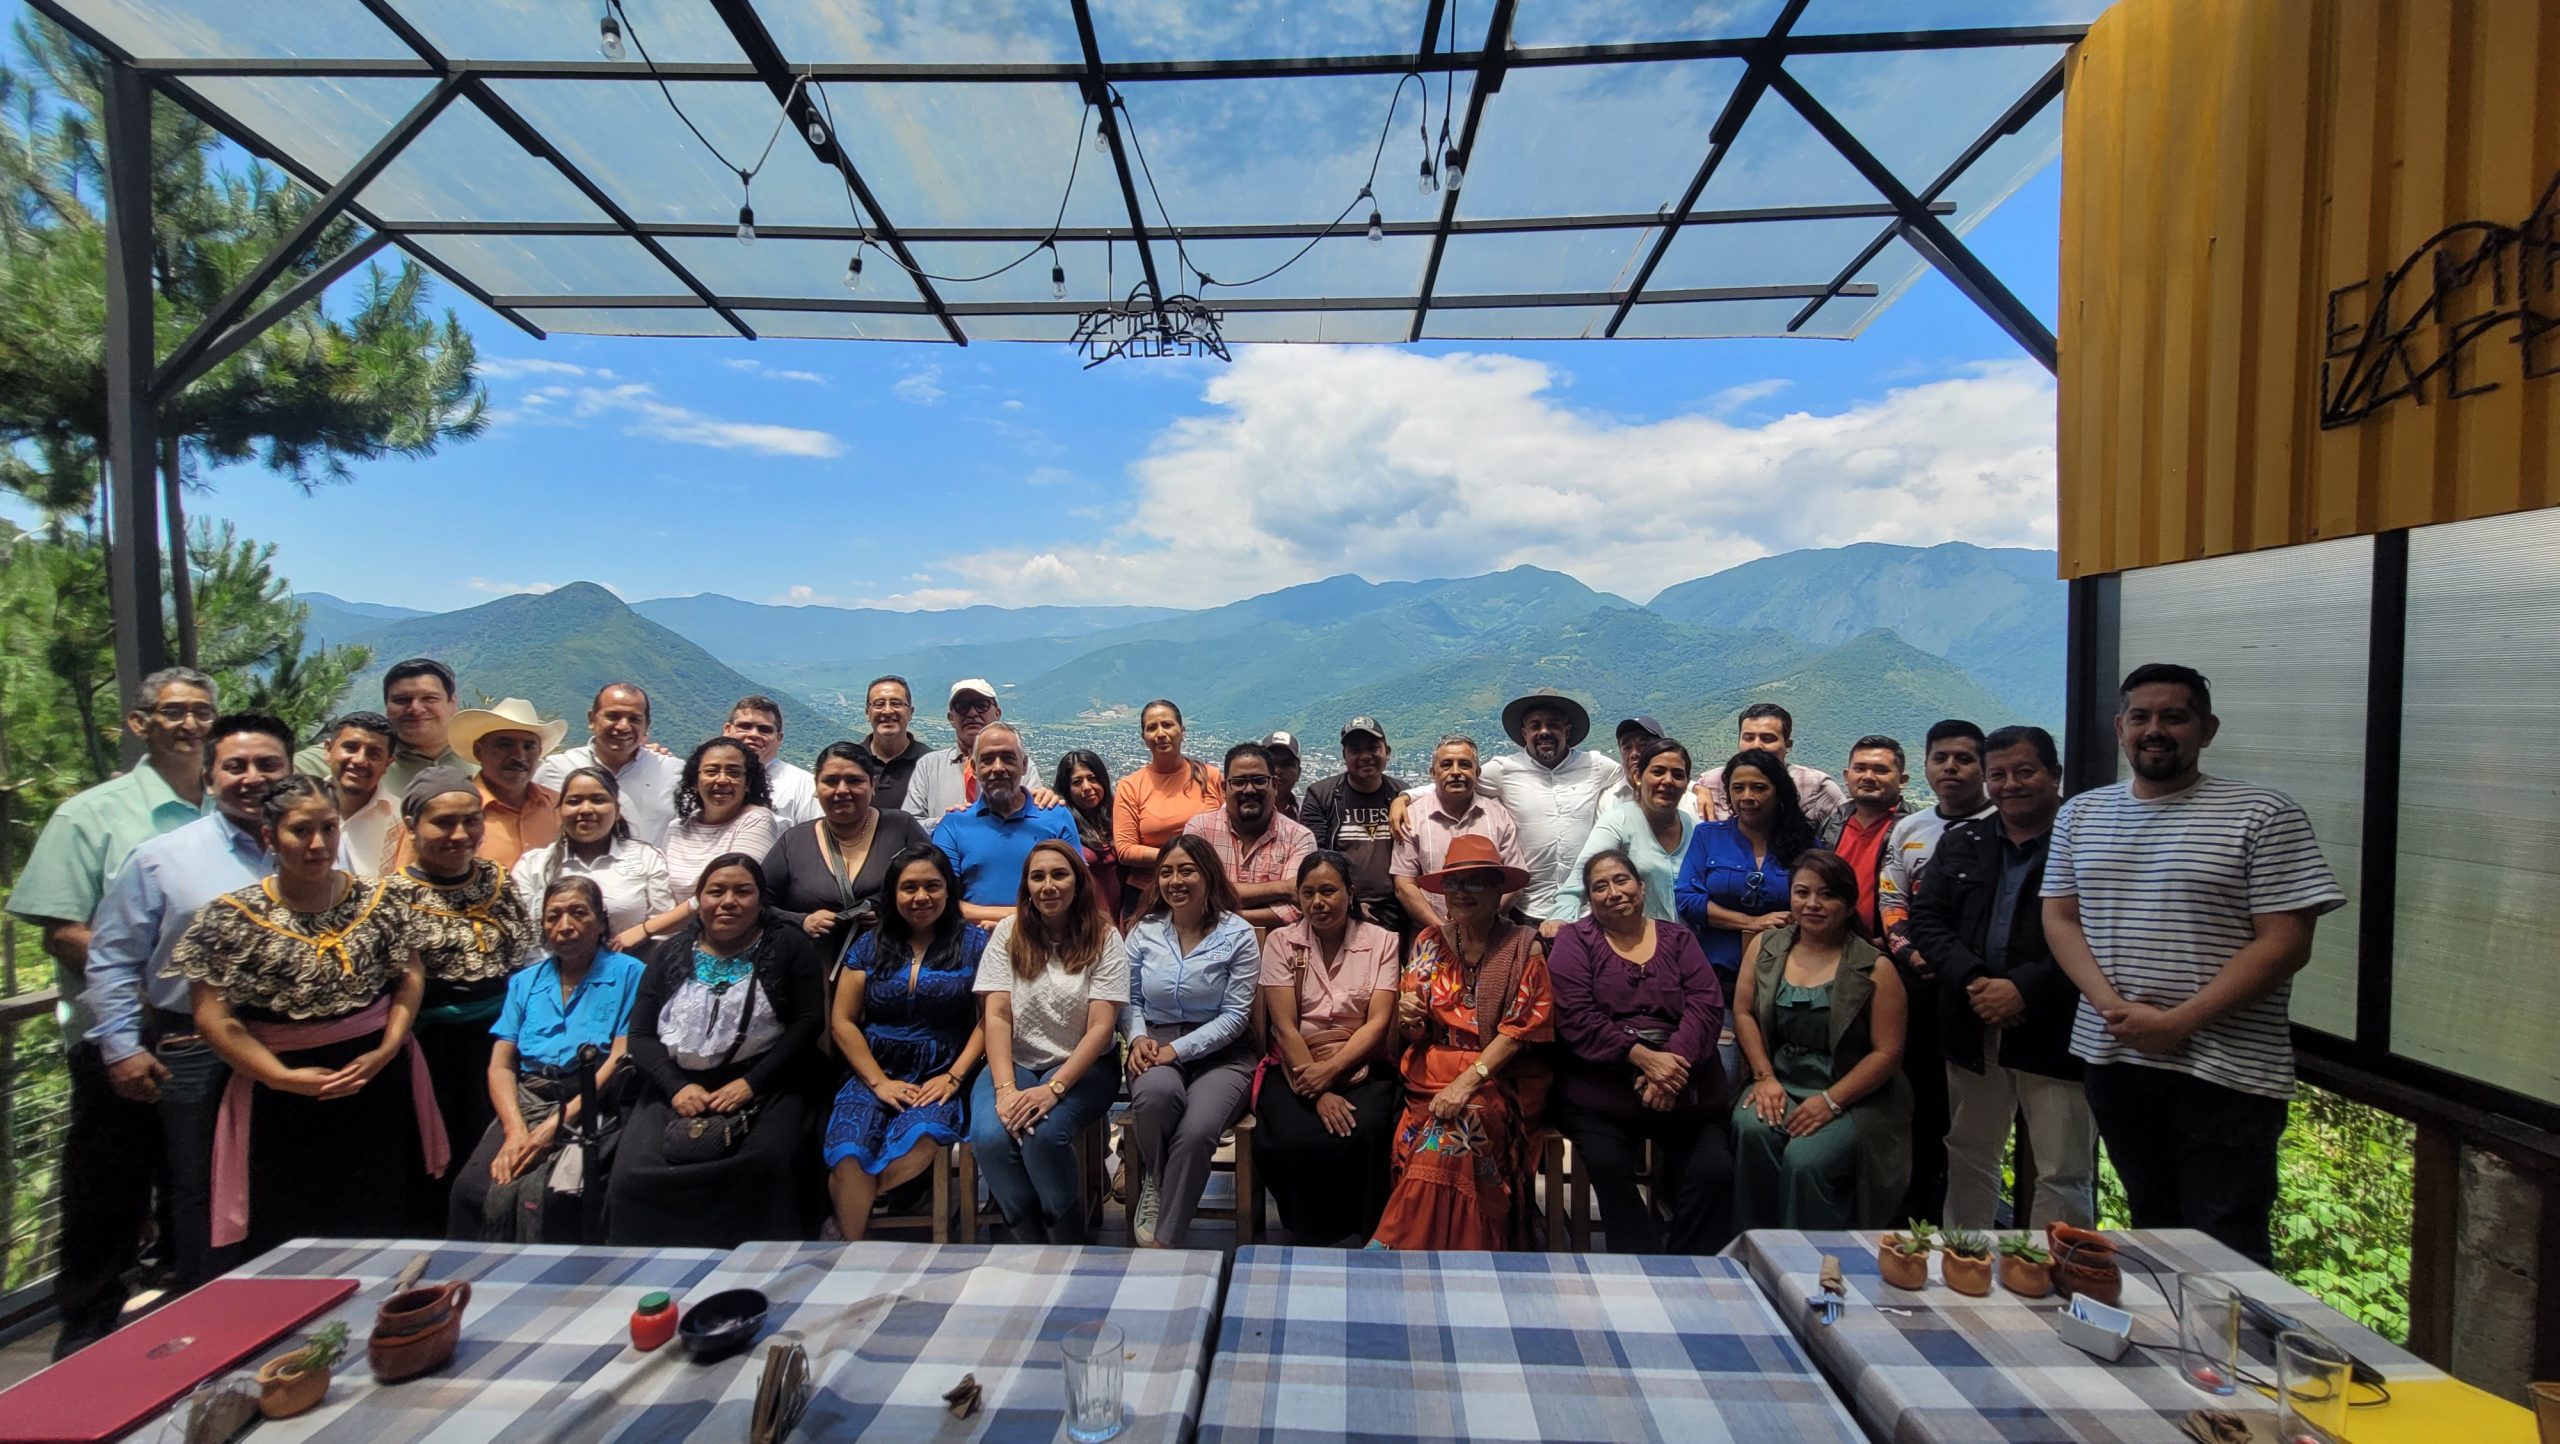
[
  {"x": 1091, "y": 1354},
  {"x": 2208, "y": 1332},
  {"x": 2311, "y": 1389}
]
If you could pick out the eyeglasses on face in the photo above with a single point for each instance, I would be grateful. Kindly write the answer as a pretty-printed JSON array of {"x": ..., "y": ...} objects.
[{"x": 182, "y": 712}]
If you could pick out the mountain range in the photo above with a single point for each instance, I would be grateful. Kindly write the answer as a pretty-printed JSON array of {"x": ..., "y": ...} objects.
[{"x": 1867, "y": 638}]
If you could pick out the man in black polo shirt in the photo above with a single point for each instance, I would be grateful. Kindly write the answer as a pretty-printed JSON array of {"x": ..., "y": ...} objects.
[
  {"x": 1348, "y": 812},
  {"x": 891, "y": 705}
]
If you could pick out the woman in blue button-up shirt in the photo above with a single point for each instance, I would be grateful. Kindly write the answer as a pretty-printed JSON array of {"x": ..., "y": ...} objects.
[{"x": 1192, "y": 963}]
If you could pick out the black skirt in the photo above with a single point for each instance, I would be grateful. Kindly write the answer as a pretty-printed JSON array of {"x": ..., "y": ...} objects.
[
  {"x": 768, "y": 1189},
  {"x": 337, "y": 1167},
  {"x": 1330, "y": 1189}
]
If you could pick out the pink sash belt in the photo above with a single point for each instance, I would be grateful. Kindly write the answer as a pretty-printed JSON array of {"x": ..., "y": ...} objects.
[{"x": 231, "y": 1125}]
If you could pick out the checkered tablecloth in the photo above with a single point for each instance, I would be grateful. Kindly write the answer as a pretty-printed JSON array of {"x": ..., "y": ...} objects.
[
  {"x": 1937, "y": 1365},
  {"x": 542, "y": 1319},
  {"x": 891, "y": 1327},
  {"x": 1326, "y": 1344}
]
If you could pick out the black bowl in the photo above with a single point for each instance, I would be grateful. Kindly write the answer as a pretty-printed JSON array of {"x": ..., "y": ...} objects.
[{"x": 723, "y": 1323}]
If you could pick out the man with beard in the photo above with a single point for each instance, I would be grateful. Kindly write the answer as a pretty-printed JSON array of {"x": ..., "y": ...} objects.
[
  {"x": 1552, "y": 790},
  {"x": 81, "y": 848},
  {"x": 2181, "y": 906},
  {"x": 418, "y": 696},
  {"x": 358, "y": 746},
  {"x": 508, "y": 741},
  {"x": 1351, "y": 813},
  {"x": 891, "y": 705},
  {"x": 988, "y": 840},
  {"x": 144, "y": 1027},
  {"x": 645, "y": 777},
  {"x": 756, "y": 720},
  {"x": 1261, "y": 848}
]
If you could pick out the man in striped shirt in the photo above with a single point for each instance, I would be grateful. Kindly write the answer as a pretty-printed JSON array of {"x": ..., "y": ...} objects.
[{"x": 2182, "y": 905}]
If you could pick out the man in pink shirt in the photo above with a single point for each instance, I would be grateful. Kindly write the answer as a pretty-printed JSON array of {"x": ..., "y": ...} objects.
[
  {"x": 1260, "y": 847},
  {"x": 1456, "y": 810}
]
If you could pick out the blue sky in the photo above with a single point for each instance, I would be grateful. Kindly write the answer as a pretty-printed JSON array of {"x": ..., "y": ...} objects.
[{"x": 908, "y": 475}]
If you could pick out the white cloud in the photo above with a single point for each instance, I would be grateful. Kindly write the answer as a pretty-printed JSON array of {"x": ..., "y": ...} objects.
[
  {"x": 923, "y": 599},
  {"x": 754, "y": 367},
  {"x": 1013, "y": 406},
  {"x": 1734, "y": 397},
  {"x": 510, "y": 589},
  {"x": 797, "y": 595},
  {"x": 1395, "y": 465},
  {"x": 921, "y": 387},
  {"x": 502, "y": 368},
  {"x": 649, "y": 416},
  {"x": 1049, "y": 476}
]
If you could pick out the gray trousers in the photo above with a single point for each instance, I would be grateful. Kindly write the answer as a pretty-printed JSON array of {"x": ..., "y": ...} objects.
[
  {"x": 1176, "y": 1113},
  {"x": 1980, "y": 1107}
]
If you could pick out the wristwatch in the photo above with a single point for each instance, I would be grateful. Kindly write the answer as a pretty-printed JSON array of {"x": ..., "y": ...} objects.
[
  {"x": 1482, "y": 1072},
  {"x": 1057, "y": 1088}
]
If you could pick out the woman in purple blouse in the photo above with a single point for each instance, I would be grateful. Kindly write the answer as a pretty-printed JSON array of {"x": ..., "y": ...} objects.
[{"x": 1639, "y": 1009}]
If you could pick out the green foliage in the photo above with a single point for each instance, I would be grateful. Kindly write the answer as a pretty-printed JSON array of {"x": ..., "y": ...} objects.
[
  {"x": 326, "y": 1345},
  {"x": 2346, "y": 1174},
  {"x": 2025, "y": 1247},
  {"x": 1916, "y": 1238},
  {"x": 1965, "y": 1243}
]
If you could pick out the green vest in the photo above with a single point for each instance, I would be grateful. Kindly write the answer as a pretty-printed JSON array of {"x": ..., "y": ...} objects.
[{"x": 1883, "y": 1116}]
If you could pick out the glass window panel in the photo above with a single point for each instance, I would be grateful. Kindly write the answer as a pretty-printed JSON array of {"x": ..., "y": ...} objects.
[
  {"x": 975, "y": 32},
  {"x": 1018, "y": 328},
  {"x": 326, "y": 124},
  {"x": 1331, "y": 326},
  {"x": 624, "y": 137},
  {"x": 1616, "y": 22},
  {"x": 1778, "y": 160},
  {"x": 2282, "y": 635},
  {"x": 1984, "y": 186},
  {"x": 1709, "y": 318},
  {"x": 1519, "y": 262},
  {"x": 1917, "y": 110},
  {"x": 1832, "y": 17},
  {"x": 1591, "y": 139},
  {"x": 1892, "y": 272},
  {"x": 1761, "y": 253},
  {"x": 846, "y": 325},
  {"x": 463, "y": 168},
  {"x": 978, "y": 155},
  {"x": 809, "y": 269},
  {"x": 243, "y": 29},
  {"x": 1260, "y": 29},
  {"x": 634, "y": 321},
  {"x": 2476, "y": 979},
  {"x": 555, "y": 265},
  {"x": 1521, "y": 323},
  {"x": 674, "y": 31},
  {"x": 1095, "y": 273},
  {"x": 1342, "y": 264}
]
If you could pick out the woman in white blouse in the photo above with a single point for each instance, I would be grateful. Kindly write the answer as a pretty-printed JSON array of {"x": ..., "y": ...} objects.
[
  {"x": 596, "y": 843},
  {"x": 723, "y": 805},
  {"x": 1054, "y": 976}
]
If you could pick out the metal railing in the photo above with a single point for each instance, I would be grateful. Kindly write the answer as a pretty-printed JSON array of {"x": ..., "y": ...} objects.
[{"x": 35, "y": 1119}]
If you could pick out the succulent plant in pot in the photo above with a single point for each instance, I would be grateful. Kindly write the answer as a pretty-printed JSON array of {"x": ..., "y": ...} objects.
[
  {"x": 2026, "y": 1266},
  {"x": 1964, "y": 1260},
  {"x": 1903, "y": 1258},
  {"x": 295, "y": 1383}
]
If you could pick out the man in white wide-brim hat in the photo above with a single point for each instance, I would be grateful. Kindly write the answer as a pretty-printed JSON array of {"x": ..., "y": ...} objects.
[{"x": 509, "y": 741}]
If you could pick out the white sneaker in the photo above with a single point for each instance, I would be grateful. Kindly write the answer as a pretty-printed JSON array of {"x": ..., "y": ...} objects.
[{"x": 1142, "y": 1219}]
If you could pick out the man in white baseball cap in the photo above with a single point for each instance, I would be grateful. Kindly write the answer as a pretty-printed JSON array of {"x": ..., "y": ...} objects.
[{"x": 943, "y": 781}]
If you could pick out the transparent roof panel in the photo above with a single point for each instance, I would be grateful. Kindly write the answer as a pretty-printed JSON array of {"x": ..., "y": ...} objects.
[
  {"x": 624, "y": 137},
  {"x": 253, "y": 29},
  {"x": 325, "y": 122},
  {"x": 923, "y": 31},
  {"x": 845, "y": 326},
  {"x": 629, "y": 321},
  {"x": 1260, "y": 29},
  {"x": 673, "y": 31},
  {"x": 555, "y": 265},
  {"x": 1766, "y": 253},
  {"x": 1245, "y": 327},
  {"x": 809, "y": 270},
  {"x": 1558, "y": 323},
  {"x": 1093, "y": 277},
  {"x": 1019, "y": 328},
  {"x": 1618, "y": 22},
  {"x": 1234, "y": 151},
  {"x": 464, "y": 168},
  {"x": 1342, "y": 264},
  {"x": 1832, "y": 17},
  {"x": 1542, "y": 261},
  {"x": 1918, "y": 110},
  {"x": 1778, "y": 159},
  {"x": 1709, "y": 318},
  {"x": 975, "y": 155},
  {"x": 1593, "y": 139}
]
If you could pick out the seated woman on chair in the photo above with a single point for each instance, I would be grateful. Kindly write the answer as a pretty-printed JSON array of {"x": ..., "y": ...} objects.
[
  {"x": 1192, "y": 965},
  {"x": 579, "y": 995}
]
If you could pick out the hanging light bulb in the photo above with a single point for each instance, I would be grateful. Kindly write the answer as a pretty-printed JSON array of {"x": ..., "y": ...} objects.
[
  {"x": 1453, "y": 169},
  {"x": 1377, "y": 222},
  {"x": 1102, "y": 136},
  {"x": 817, "y": 129},
  {"x": 746, "y": 225},
  {"x": 609, "y": 35},
  {"x": 1057, "y": 274},
  {"x": 1429, "y": 182},
  {"x": 853, "y": 271}
]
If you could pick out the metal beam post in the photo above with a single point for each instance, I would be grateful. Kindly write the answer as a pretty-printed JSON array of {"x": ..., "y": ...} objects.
[
  {"x": 1927, "y": 234},
  {"x": 1488, "y": 79},
  {"x": 133, "y": 444},
  {"x": 1097, "y": 92},
  {"x": 329, "y": 207},
  {"x": 171, "y": 381}
]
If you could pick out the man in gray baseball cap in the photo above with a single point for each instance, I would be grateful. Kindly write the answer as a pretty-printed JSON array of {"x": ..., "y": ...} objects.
[{"x": 1283, "y": 747}]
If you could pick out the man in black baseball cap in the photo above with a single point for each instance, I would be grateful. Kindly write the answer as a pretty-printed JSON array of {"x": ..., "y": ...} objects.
[{"x": 1350, "y": 812}]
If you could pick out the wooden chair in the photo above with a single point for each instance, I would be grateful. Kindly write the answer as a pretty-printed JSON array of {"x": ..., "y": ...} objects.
[
  {"x": 935, "y": 1214},
  {"x": 1246, "y": 1212},
  {"x": 974, "y": 1217}
]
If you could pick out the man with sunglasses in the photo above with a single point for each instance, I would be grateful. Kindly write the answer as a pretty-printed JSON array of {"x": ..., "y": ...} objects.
[{"x": 943, "y": 782}]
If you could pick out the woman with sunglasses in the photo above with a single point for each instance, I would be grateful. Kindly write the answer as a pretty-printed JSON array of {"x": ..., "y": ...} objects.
[{"x": 1733, "y": 878}]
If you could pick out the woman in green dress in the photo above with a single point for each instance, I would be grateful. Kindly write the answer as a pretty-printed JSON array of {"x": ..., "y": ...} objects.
[{"x": 1822, "y": 1134}]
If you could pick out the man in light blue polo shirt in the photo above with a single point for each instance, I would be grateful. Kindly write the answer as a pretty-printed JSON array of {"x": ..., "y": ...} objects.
[
  {"x": 988, "y": 839},
  {"x": 144, "y": 1024},
  {"x": 66, "y": 875}
]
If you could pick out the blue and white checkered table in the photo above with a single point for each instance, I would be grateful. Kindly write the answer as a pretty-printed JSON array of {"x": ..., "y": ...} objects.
[
  {"x": 542, "y": 1319},
  {"x": 891, "y": 1327},
  {"x": 1327, "y": 1344},
  {"x": 1939, "y": 1365}
]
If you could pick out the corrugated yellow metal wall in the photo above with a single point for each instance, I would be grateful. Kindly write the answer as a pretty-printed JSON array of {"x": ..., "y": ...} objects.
[{"x": 2227, "y": 164}]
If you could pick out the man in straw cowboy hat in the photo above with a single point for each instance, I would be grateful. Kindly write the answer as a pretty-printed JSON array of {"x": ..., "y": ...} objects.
[{"x": 509, "y": 741}]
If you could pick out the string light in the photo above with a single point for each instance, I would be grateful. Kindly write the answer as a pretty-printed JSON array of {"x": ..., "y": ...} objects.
[
  {"x": 817, "y": 128},
  {"x": 1057, "y": 274},
  {"x": 1377, "y": 222},
  {"x": 746, "y": 210},
  {"x": 1453, "y": 170},
  {"x": 853, "y": 271},
  {"x": 609, "y": 35},
  {"x": 1428, "y": 183}
]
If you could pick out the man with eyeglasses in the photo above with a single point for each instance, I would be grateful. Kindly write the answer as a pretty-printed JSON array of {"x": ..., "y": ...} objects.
[
  {"x": 890, "y": 706},
  {"x": 65, "y": 877},
  {"x": 1261, "y": 848},
  {"x": 418, "y": 695},
  {"x": 943, "y": 782},
  {"x": 757, "y": 721}
]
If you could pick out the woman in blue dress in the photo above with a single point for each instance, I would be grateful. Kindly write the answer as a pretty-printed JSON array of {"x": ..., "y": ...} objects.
[
  {"x": 1733, "y": 879},
  {"x": 906, "y": 1021}
]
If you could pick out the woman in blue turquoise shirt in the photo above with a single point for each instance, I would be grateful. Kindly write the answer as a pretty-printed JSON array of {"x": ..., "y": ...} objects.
[{"x": 1733, "y": 879}]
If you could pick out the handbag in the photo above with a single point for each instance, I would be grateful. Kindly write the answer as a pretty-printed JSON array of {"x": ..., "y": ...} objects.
[{"x": 710, "y": 1137}]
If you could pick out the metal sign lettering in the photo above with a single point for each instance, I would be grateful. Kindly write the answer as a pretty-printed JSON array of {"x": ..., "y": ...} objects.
[
  {"x": 1180, "y": 326},
  {"x": 2420, "y": 337}
]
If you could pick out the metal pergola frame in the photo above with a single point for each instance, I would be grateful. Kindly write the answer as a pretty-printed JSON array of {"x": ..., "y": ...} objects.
[{"x": 137, "y": 385}]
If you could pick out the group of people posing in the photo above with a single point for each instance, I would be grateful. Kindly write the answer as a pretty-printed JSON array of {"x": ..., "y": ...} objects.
[{"x": 431, "y": 973}]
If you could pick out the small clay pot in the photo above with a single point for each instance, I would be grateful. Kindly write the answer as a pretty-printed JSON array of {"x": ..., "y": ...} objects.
[
  {"x": 1902, "y": 1270},
  {"x": 2084, "y": 1262},
  {"x": 285, "y": 1389},
  {"x": 2025, "y": 1277},
  {"x": 1968, "y": 1276},
  {"x": 415, "y": 1331}
]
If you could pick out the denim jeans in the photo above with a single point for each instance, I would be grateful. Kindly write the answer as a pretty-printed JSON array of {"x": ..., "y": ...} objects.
[
  {"x": 190, "y": 1097},
  {"x": 1034, "y": 1178},
  {"x": 116, "y": 1151}
]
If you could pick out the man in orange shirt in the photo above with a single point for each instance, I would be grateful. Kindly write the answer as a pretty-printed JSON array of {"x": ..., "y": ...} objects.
[{"x": 509, "y": 741}]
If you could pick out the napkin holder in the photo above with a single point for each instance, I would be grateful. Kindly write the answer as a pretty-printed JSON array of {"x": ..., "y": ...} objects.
[{"x": 2095, "y": 1328}]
